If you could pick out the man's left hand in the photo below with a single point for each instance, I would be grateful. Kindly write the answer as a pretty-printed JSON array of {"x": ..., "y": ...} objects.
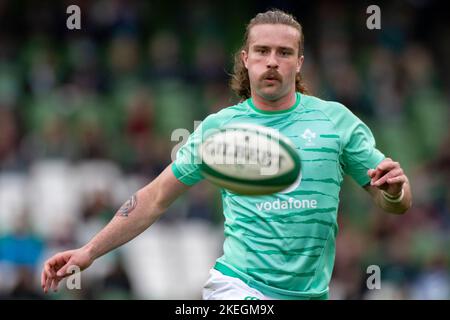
[{"x": 388, "y": 176}]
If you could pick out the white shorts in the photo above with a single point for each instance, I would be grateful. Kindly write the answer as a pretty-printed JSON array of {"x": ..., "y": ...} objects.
[{"x": 222, "y": 287}]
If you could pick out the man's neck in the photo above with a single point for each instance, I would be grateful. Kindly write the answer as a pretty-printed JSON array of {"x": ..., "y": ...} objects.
[{"x": 283, "y": 103}]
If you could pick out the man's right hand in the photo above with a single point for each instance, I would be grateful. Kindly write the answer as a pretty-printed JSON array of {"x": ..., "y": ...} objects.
[
  {"x": 135, "y": 216},
  {"x": 55, "y": 268}
]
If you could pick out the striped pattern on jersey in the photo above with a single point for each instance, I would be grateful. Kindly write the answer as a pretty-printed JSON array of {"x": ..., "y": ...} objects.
[{"x": 284, "y": 244}]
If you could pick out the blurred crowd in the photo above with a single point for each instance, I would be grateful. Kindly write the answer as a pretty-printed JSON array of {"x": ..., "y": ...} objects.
[{"x": 87, "y": 117}]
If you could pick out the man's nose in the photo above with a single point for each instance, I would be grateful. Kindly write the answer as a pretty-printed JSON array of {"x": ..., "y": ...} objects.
[{"x": 272, "y": 61}]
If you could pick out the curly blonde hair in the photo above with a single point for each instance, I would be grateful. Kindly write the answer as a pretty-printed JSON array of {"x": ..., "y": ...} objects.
[{"x": 240, "y": 82}]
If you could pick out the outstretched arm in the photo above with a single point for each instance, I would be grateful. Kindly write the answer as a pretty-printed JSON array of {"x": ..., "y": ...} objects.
[
  {"x": 389, "y": 187},
  {"x": 134, "y": 216}
]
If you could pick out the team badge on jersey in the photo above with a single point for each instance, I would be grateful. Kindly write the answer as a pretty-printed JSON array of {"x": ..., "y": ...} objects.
[{"x": 309, "y": 136}]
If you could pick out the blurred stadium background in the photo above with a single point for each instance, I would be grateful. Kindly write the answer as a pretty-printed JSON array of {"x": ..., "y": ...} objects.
[{"x": 86, "y": 119}]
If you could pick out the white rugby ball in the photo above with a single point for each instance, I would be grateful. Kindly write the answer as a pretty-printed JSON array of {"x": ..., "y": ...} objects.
[{"x": 249, "y": 159}]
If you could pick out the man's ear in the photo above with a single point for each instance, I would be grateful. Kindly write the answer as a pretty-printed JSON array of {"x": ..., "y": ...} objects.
[
  {"x": 244, "y": 57},
  {"x": 300, "y": 63}
]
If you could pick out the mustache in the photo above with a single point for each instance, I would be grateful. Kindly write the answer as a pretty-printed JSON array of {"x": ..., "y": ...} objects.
[{"x": 271, "y": 74}]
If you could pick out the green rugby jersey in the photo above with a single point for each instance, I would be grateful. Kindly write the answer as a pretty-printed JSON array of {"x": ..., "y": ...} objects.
[{"x": 284, "y": 244}]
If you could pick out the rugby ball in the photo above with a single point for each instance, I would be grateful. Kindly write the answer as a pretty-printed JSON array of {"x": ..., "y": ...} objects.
[{"x": 249, "y": 159}]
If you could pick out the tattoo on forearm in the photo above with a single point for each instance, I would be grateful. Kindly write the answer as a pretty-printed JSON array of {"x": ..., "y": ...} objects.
[{"x": 128, "y": 206}]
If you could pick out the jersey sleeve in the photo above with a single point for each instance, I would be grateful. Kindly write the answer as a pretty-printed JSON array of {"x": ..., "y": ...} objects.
[
  {"x": 359, "y": 152},
  {"x": 186, "y": 166}
]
